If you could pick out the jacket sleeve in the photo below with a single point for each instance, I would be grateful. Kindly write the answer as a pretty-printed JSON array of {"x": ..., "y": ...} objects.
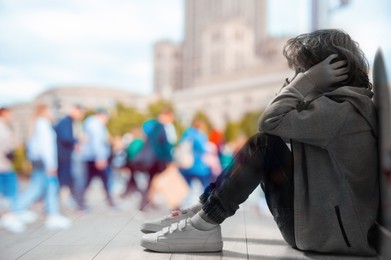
[
  {"x": 47, "y": 139},
  {"x": 99, "y": 143},
  {"x": 290, "y": 115}
]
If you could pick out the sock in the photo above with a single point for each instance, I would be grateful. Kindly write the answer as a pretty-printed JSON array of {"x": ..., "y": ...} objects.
[
  {"x": 196, "y": 207},
  {"x": 201, "y": 222}
]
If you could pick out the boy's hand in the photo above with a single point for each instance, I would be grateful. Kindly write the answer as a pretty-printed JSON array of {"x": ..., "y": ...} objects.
[{"x": 325, "y": 74}]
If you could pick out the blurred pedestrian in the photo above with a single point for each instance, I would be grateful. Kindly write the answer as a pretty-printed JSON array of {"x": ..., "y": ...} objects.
[
  {"x": 156, "y": 153},
  {"x": 8, "y": 177},
  {"x": 194, "y": 143},
  {"x": 134, "y": 147},
  {"x": 224, "y": 152},
  {"x": 42, "y": 152},
  {"x": 97, "y": 151},
  {"x": 67, "y": 143}
]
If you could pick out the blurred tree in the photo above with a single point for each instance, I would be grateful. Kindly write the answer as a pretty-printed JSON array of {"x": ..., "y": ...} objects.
[
  {"x": 123, "y": 119},
  {"x": 20, "y": 162},
  {"x": 249, "y": 123},
  {"x": 232, "y": 131},
  {"x": 157, "y": 107},
  {"x": 247, "y": 126}
]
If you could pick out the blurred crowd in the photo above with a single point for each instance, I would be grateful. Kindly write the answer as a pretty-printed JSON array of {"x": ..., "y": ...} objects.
[{"x": 70, "y": 152}]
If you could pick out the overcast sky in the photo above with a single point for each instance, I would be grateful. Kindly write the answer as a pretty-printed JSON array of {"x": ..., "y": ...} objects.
[{"x": 46, "y": 43}]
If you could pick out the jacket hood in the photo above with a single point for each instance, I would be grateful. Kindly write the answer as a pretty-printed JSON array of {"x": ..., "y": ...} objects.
[{"x": 361, "y": 99}]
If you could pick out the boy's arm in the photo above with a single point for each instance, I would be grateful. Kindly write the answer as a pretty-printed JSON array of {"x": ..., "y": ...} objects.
[
  {"x": 47, "y": 139},
  {"x": 289, "y": 116},
  {"x": 316, "y": 122}
]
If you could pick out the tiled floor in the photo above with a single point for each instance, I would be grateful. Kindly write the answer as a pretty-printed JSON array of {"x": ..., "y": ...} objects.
[{"x": 114, "y": 234}]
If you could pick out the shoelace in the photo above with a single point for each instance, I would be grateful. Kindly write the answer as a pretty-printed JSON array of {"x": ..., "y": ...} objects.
[{"x": 175, "y": 227}]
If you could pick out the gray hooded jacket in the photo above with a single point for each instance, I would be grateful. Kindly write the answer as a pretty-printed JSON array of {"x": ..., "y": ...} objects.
[{"x": 334, "y": 145}]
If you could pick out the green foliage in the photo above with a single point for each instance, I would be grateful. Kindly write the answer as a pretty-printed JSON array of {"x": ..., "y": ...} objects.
[
  {"x": 247, "y": 126},
  {"x": 20, "y": 162},
  {"x": 232, "y": 131},
  {"x": 123, "y": 119},
  {"x": 157, "y": 107},
  {"x": 249, "y": 123}
]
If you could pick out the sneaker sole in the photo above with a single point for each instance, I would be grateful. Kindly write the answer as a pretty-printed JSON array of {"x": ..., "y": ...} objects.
[{"x": 164, "y": 248}]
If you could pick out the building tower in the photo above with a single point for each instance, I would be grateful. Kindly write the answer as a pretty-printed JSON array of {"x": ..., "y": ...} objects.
[
  {"x": 167, "y": 71},
  {"x": 208, "y": 22}
]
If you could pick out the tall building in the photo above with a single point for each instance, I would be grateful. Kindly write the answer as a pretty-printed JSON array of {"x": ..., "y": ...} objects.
[
  {"x": 230, "y": 64},
  {"x": 167, "y": 69},
  {"x": 221, "y": 36}
]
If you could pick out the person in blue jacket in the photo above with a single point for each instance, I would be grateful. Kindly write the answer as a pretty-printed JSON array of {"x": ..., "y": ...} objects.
[
  {"x": 156, "y": 153},
  {"x": 199, "y": 148},
  {"x": 67, "y": 142}
]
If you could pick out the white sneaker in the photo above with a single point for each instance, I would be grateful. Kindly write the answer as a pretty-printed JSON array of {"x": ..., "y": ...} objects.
[
  {"x": 11, "y": 223},
  {"x": 27, "y": 217},
  {"x": 183, "y": 237},
  {"x": 57, "y": 222},
  {"x": 159, "y": 224}
]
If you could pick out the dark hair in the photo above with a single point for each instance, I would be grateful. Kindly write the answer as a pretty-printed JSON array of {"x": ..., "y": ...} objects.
[{"x": 306, "y": 50}]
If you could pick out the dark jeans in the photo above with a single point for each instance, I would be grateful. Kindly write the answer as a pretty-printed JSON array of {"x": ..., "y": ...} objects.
[
  {"x": 92, "y": 172},
  {"x": 65, "y": 176},
  {"x": 156, "y": 168},
  {"x": 131, "y": 186},
  {"x": 264, "y": 160}
]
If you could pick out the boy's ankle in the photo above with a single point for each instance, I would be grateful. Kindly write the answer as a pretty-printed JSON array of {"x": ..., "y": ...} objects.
[
  {"x": 201, "y": 221},
  {"x": 196, "y": 207}
]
